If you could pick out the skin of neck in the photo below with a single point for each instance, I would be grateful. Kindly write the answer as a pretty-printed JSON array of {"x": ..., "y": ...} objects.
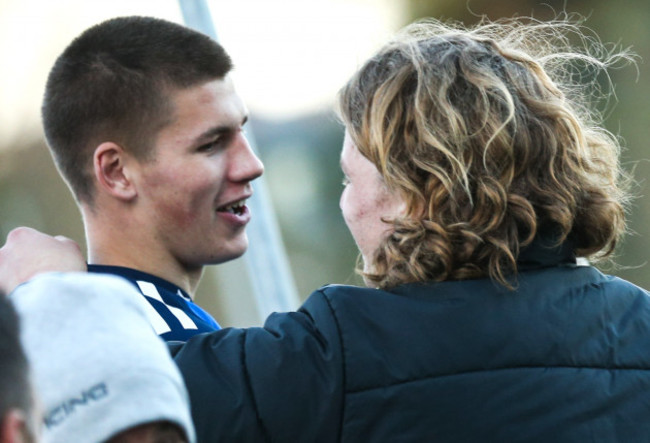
[{"x": 115, "y": 237}]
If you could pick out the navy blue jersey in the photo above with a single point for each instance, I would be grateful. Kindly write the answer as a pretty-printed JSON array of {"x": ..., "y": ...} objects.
[{"x": 173, "y": 314}]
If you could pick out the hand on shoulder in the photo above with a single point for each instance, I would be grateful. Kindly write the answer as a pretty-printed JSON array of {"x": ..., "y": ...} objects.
[{"x": 28, "y": 252}]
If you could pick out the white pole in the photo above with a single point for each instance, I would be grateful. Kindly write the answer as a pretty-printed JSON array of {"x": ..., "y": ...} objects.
[{"x": 266, "y": 258}]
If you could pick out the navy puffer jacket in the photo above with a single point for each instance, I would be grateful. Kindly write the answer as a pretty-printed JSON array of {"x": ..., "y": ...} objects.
[{"x": 563, "y": 358}]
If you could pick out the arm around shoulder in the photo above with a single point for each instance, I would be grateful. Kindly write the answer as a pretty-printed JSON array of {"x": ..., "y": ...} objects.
[{"x": 282, "y": 382}]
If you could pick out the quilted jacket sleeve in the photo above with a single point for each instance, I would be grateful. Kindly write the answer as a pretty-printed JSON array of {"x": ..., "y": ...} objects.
[{"x": 282, "y": 382}]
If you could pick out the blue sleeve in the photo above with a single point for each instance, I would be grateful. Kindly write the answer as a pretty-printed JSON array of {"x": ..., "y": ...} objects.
[{"x": 282, "y": 382}]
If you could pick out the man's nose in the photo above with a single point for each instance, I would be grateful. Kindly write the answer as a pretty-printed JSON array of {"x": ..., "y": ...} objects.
[{"x": 245, "y": 165}]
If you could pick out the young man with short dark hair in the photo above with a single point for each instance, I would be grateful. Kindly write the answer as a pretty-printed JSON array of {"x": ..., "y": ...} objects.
[{"x": 145, "y": 126}]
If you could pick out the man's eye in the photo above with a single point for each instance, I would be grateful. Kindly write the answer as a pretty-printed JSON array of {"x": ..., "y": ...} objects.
[{"x": 208, "y": 147}]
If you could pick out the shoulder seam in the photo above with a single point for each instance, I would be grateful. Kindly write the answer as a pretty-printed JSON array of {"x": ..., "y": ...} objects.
[
  {"x": 343, "y": 362},
  {"x": 249, "y": 387}
]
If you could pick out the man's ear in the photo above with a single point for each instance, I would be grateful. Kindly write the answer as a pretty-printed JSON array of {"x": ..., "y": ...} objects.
[
  {"x": 13, "y": 427},
  {"x": 111, "y": 172}
]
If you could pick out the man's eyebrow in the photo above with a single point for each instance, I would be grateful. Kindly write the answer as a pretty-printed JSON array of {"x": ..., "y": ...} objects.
[{"x": 219, "y": 130}]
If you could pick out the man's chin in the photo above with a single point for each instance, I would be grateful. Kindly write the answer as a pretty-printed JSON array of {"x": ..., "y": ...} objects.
[{"x": 228, "y": 256}]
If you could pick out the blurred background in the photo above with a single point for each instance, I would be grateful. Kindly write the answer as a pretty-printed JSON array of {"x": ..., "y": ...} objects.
[{"x": 291, "y": 58}]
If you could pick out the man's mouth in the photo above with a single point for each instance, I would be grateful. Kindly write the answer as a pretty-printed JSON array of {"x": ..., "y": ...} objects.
[{"x": 237, "y": 207}]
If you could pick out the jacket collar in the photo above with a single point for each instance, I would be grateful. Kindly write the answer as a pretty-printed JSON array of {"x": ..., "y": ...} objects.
[{"x": 544, "y": 251}]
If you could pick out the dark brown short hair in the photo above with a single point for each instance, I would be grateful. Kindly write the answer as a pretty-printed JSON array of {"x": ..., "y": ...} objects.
[{"x": 112, "y": 84}]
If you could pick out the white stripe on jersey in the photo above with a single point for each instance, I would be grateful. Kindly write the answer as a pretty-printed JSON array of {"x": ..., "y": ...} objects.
[
  {"x": 159, "y": 324},
  {"x": 150, "y": 290}
]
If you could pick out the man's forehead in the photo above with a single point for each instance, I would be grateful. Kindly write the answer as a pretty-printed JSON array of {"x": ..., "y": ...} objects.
[{"x": 207, "y": 107}]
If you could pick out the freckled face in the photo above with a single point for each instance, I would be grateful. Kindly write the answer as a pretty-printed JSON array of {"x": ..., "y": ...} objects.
[
  {"x": 194, "y": 188},
  {"x": 365, "y": 201}
]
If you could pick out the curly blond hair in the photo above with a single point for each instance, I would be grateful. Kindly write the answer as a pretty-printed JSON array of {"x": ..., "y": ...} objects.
[{"x": 489, "y": 133}]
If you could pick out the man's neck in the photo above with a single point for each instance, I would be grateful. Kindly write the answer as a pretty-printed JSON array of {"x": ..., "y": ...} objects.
[
  {"x": 187, "y": 281},
  {"x": 128, "y": 248}
]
